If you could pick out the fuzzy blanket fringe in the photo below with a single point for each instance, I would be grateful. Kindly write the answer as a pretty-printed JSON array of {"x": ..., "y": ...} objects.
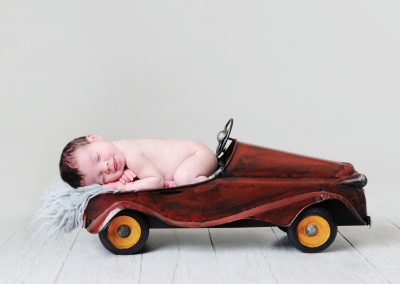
[{"x": 62, "y": 207}]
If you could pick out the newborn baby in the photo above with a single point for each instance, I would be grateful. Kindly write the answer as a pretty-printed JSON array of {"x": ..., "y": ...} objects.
[{"x": 135, "y": 164}]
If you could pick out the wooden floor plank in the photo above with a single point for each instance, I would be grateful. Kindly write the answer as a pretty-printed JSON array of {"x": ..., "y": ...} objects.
[
  {"x": 33, "y": 257},
  {"x": 241, "y": 257},
  {"x": 179, "y": 256},
  {"x": 380, "y": 245},
  {"x": 395, "y": 221},
  {"x": 12, "y": 224},
  {"x": 270, "y": 257},
  {"x": 90, "y": 262}
]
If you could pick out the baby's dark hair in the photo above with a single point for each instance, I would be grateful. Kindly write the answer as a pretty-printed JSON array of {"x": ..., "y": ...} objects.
[{"x": 68, "y": 167}]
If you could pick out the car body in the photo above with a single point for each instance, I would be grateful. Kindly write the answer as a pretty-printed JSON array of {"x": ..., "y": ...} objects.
[{"x": 254, "y": 186}]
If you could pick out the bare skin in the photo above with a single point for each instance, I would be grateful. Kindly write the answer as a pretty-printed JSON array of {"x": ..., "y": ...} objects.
[{"x": 156, "y": 163}]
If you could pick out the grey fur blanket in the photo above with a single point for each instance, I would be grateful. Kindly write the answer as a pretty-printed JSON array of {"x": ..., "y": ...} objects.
[{"x": 62, "y": 207}]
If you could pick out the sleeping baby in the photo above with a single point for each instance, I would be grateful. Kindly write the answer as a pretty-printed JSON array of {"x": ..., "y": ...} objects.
[{"x": 135, "y": 164}]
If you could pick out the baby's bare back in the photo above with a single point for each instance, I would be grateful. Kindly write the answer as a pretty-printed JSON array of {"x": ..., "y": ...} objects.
[{"x": 165, "y": 154}]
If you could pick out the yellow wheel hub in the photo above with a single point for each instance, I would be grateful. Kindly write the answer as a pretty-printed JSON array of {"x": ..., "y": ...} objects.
[
  {"x": 123, "y": 232},
  {"x": 313, "y": 231}
]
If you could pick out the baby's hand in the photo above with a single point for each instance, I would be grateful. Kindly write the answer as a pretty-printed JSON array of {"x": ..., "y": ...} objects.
[{"x": 127, "y": 176}]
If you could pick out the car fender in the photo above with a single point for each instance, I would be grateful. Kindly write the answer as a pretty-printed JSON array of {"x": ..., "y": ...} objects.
[
  {"x": 281, "y": 213},
  {"x": 285, "y": 214},
  {"x": 105, "y": 217}
]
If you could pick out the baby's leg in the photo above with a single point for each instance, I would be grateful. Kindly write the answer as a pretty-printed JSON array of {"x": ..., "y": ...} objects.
[{"x": 196, "y": 167}]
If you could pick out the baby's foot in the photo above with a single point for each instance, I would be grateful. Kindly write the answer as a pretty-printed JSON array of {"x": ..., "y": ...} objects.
[{"x": 169, "y": 183}]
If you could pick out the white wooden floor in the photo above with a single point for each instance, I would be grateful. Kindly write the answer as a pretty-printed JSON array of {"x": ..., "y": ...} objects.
[{"x": 242, "y": 255}]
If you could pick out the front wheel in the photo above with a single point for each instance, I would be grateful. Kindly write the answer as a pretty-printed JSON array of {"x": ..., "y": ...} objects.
[
  {"x": 126, "y": 233},
  {"x": 313, "y": 231}
]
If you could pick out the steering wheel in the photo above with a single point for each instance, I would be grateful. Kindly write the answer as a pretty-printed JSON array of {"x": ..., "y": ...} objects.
[{"x": 223, "y": 136}]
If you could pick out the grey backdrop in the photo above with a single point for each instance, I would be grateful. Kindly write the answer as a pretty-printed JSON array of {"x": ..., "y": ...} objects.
[{"x": 319, "y": 78}]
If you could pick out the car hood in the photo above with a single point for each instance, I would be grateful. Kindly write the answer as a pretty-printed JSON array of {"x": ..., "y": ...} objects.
[{"x": 249, "y": 160}]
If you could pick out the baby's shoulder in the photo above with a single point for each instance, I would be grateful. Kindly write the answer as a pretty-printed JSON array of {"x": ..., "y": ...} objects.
[{"x": 131, "y": 146}]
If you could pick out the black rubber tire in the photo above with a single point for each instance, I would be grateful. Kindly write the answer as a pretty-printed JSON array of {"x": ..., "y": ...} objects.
[
  {"x": 135, "y": 248},
  {"x": 283, "y": 229},
  {"x": 292, "y": 231}
]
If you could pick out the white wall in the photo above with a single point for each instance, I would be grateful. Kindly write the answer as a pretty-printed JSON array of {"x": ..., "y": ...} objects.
[{"x": 314, "y": 77}]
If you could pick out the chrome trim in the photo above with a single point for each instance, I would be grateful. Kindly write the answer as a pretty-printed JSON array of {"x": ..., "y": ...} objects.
[{"x": 359, "y": 181}]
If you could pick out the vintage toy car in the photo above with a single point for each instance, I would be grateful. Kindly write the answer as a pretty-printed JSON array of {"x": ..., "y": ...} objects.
[{"x": 253, "y": 186}]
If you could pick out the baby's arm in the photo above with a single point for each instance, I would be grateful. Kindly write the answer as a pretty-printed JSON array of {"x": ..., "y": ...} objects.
[
  {"x": 149, "y": 176},
  {"x": 127, "y": 176}
]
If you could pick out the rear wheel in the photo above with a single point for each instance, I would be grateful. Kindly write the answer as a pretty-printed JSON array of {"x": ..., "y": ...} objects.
[
  {"x": 313, "y": 231},
  {"x": 126, "y": 233}
]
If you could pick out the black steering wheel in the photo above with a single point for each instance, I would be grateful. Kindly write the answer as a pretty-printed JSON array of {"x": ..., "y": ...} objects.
[{"x": 223, "y": 136}]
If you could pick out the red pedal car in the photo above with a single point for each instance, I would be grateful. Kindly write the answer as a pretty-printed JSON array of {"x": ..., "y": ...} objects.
[{"x": 253, "y": 186}]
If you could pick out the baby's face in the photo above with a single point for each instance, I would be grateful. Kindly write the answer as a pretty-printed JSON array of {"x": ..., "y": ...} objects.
[{"x": 100, "y": 162}]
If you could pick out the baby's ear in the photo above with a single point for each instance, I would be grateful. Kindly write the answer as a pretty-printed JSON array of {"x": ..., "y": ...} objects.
[{"x": 93, "y": 137}]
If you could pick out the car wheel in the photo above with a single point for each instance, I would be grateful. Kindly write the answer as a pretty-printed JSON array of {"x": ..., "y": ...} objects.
[
  {"x": 313, "y": 231},
  {"x": 126, "y": 233}
]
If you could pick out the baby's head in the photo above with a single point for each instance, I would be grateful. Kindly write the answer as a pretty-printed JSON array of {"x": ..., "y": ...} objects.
[{"x": 90, "y": 159}]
